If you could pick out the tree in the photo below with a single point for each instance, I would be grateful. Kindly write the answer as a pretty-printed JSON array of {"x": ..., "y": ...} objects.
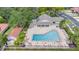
[
  {"x": 1, "y": 19},
  {"x": 20, "y": 39},
  {"x": 76, "y": 30},
  {"x": 3, "y": 39},
  {"x": 5, "y": 12},
  {"x": 58, "y": 9},
  {"x": 77, "y": 41},
  {"x": 14, "y": 18},
  {"x": 64, "y": 23},
  {"x": 42, "y": 10}
]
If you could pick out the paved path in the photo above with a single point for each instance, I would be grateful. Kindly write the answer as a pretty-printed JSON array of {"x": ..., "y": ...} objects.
[{"x": 69, "y": 17}]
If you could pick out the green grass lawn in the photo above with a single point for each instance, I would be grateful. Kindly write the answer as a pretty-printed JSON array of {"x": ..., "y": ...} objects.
[{"x": 50, "y": 49}]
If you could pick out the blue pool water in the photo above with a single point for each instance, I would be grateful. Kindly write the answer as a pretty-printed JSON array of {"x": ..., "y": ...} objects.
[{"x": 50, "y": 36}]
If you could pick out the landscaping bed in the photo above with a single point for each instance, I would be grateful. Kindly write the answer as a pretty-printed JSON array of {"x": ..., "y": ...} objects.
[
  {"x": 20, "y": 39},
  {"x": 74, "y": 37}
]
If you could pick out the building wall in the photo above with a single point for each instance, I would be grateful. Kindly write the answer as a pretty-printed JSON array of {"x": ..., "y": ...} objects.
[{"x": 11, "y": 40}]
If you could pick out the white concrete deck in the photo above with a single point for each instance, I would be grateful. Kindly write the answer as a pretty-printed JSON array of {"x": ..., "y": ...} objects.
[{"x": 42, "y": 30}]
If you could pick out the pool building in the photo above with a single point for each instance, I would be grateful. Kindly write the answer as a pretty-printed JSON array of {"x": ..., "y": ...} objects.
[{"x": 44, "y": 32}]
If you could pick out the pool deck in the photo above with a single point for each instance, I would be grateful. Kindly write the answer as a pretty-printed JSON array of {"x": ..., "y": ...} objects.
[{"x": 62, "y": 43}]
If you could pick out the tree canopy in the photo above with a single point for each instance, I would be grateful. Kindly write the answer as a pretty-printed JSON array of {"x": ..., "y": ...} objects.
[{"x": 22, "y": 16}]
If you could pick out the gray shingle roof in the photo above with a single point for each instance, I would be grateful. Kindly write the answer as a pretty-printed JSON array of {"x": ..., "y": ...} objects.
[
  {"x": 45, "y": 20},
  {"x": 44, "y": 17}
]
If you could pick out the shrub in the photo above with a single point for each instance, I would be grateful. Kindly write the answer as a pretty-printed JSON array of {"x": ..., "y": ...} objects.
[{"x": 20, "y": 39}]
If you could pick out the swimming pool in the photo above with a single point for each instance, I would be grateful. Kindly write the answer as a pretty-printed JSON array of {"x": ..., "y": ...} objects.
[{"x": 50, "y": 36}]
